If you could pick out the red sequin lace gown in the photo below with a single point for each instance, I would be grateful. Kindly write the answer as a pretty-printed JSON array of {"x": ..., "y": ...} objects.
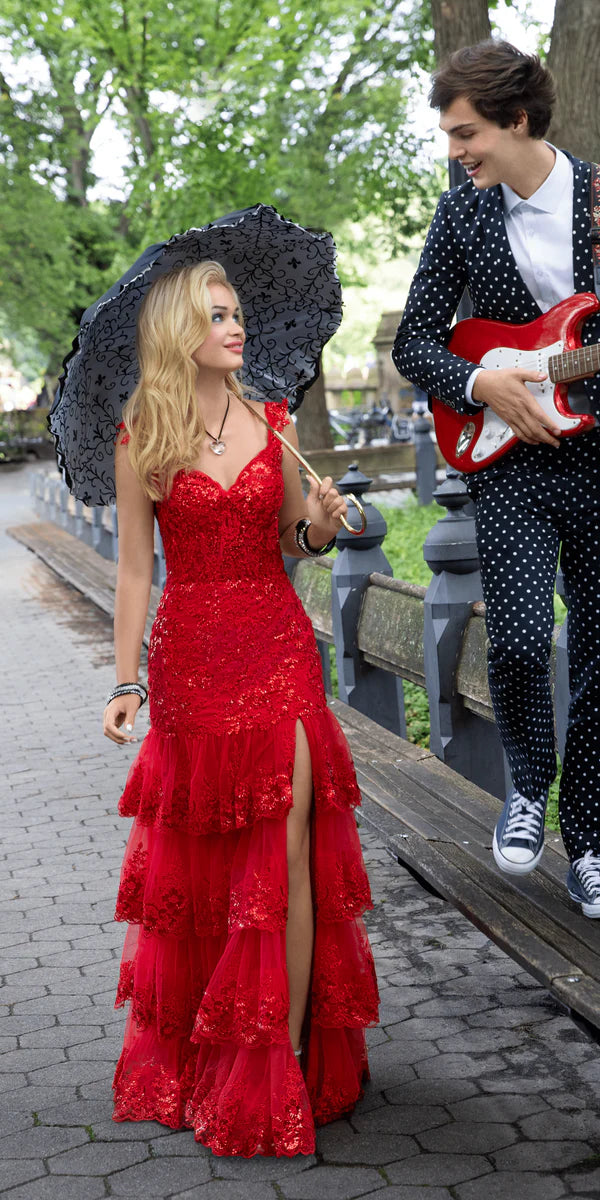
[{"x": 233, "y": 665}]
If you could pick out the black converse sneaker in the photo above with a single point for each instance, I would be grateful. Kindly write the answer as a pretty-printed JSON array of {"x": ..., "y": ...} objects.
[
  {"x": 519, "y": 834},
  {"x": 583, "y": 883}
]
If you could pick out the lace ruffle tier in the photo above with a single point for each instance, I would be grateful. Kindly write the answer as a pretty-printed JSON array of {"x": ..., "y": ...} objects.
[{"x": 204, "y": 888}]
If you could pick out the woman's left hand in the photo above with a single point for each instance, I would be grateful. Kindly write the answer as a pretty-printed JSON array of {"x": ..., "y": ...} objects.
[{"x": 324, "y": 507}]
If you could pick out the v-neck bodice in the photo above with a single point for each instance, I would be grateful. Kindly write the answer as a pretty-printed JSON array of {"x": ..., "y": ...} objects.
[{"x": 210, "y": 532}]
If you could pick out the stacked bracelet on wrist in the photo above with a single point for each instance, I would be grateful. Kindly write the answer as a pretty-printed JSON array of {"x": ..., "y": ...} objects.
[
  {"x": 128, "y": 689},
  {"x": 302, "y": 543}
]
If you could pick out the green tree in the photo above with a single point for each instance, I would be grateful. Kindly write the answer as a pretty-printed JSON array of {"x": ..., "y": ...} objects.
[{"x": 222, "y": 105}]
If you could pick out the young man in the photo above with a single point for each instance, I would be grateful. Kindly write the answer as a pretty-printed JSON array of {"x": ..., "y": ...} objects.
[{"x": 517, "y": 235}]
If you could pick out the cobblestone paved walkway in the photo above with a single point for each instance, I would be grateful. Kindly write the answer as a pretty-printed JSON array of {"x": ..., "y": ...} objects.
[{"x": 482, "y": 1088}]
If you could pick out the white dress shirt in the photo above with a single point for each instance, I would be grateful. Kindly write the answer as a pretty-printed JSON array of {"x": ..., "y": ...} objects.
[{"x": 540, "y": 235}]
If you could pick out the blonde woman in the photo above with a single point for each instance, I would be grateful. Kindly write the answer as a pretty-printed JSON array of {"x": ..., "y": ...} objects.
[{"x": 246, "y": 962}]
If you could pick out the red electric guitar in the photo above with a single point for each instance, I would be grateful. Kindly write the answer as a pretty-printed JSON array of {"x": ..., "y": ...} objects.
[{"x": 550, "y": 344}]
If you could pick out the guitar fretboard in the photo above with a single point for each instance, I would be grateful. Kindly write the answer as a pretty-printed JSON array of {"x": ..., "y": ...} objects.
[{"x": 574, "y": 364}]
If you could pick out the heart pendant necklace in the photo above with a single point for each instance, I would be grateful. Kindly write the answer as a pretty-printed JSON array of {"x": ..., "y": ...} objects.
[{"x": 217, "y": 445}]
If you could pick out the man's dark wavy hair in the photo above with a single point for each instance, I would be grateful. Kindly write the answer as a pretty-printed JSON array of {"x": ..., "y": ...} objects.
[{"x": 499, "y": 81}]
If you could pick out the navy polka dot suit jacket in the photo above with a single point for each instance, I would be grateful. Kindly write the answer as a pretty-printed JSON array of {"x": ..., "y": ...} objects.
[{"x": 467, "y": 246}]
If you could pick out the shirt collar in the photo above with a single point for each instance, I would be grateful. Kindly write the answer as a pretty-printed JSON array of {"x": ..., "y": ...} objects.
[{"x": 548, "y": 196}]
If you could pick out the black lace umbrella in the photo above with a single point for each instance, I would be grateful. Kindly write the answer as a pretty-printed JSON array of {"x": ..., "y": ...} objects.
[{"x": 291, "y": 297}]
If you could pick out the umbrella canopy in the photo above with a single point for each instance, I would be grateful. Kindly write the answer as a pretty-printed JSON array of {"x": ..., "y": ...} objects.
[{"x": 291, "y": 298}]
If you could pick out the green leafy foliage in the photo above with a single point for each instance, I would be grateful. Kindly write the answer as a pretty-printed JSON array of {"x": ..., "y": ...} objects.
[{"x": 221, "y": 105}]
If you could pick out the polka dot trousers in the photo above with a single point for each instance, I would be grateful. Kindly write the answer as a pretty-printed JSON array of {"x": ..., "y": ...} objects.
[{"x": 531, "y": 505}]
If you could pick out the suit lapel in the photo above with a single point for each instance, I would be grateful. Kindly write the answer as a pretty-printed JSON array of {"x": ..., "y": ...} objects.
[{"x": 583, "y": 268}]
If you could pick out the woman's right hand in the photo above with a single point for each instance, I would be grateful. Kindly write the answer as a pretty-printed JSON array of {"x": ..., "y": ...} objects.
[{"x": 121, "y": 712}]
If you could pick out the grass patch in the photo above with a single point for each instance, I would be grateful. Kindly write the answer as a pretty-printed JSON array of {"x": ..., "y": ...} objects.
[
  {"x": 552, "y": 821},
  {"x": 416, "y": 711},
  {"x": 407, "y": 528}
]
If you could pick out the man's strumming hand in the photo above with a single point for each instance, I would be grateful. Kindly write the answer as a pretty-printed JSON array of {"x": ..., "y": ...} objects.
[{"x": 504, "y": 391}]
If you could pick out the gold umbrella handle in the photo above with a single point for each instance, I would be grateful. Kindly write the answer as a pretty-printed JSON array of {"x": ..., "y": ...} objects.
[{"x": 313, "y": 474}]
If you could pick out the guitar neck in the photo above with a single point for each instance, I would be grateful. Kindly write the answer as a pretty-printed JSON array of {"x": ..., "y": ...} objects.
[{"x": 574, "y": 364}]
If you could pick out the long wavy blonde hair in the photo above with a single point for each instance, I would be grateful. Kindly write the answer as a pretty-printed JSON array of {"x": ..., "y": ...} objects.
[{"x": 162, "y": 415}]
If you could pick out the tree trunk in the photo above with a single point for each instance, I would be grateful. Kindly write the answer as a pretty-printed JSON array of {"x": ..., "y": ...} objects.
[
  {"x": 459, "y": 23},
  {"x": 574, "y": 59},
  {"x": 314, "y": 431}
]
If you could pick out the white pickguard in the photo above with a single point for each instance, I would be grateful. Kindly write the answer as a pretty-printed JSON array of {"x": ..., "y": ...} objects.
[{"x": 495, "y": 431}]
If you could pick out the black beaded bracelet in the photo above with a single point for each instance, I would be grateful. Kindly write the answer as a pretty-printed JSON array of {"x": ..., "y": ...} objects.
[
  {"x": 128, "y": 689},
  {"x": 302, "y": 543}
]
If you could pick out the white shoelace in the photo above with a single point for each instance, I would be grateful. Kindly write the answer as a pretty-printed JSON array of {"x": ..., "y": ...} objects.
[
  {"x": 588, "y": 871},
  {"x": 526, "y": 819}
]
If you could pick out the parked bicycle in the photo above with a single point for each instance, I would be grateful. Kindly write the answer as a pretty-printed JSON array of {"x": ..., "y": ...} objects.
[{"x": 359, "y": 427}]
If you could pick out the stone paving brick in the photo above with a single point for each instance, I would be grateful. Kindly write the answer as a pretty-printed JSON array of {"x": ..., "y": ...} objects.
[
  {"x": 15, "y": 962},
  {"x": 41, "y": 1141},
  {"x": 542, "y": 1156},
  {"x": 97, "y": 1158},
  {"x": 181, "y": 1142},
  {"x": 407, "y": 1050},
  {"x": 411, "y": 1193},
  {"x": 566, "y": 1100},
  {"x": 68, "y": 1074},
  {"x": 28, "y": 1059},
  {"x": 509, "y": 1082},
  {"x": 450, "y": 1007},
  {"x": 481, "y": 1039},
  {"x": 375, "y": 1149},
  {"x": 431, "y": 1092},
  {"x": 264, "y": 1169},
  {"x": 501, "y": 1107},
  {"x": 103, "y": 1049},
  {"x": 49, "y": 1004},
  {"x": 80, "y": 1112},
  {"x": 585, "y": 1183},
  {"x": 13, "y": 1122},
  {"x": 13, "y": 1082},
  {"x": 554, "y": 1125},
  {"x": 13, "y": 1172},
  {"x": 59, "y": 1187},
  {"x": 160, "y": 1177},
  {"x": 61, "y": 1035},
  {"x": 510, "y": 1184},
  {"x": 407, "y": 1118},
  {"x": 35, "y": 1099},
  {"x": 505, "y": 1017},
  {"x": 342, "y": 1183},
  {"x": 460, "y": 1066},
  {"x": 458, "y": 1138},
  {"x": 230, "y": 1189},
  {"x": 428, "y": 1170}
]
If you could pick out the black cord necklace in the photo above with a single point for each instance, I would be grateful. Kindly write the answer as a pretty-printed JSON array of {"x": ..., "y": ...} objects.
[{"x": 216, "y": 444}]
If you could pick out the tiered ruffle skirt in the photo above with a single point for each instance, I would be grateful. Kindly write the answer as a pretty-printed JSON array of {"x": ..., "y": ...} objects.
[{"x": 204, "y": 888}]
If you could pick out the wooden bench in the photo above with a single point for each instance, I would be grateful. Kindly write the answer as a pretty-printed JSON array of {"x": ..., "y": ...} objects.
[{"x": 433, "y": 821}]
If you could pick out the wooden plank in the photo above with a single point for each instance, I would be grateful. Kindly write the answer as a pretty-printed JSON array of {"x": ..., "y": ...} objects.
[
  {"x": 538, "y": 902},
  {"x": 353, "y": 721},
  {"x": 414, "y": 805},
  {"x": 471, "y": 800},
  {"x": 558, "y": 973},
  {"x": 79, "y": 565}
]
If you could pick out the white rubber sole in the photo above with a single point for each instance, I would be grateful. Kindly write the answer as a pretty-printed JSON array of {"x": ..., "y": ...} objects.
[
  {"x": 512, "y": 868},
  {"x": 588, "y": 910}
]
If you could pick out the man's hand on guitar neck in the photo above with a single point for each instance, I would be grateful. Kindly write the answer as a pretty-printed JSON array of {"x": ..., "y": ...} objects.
[{"x": 503, "y": 390}]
